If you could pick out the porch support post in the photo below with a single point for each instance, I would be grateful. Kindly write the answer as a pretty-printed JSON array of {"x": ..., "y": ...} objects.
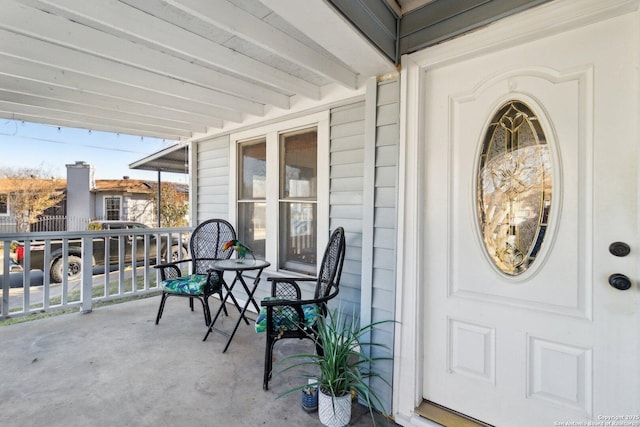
[{"x": 159, "y": 198}]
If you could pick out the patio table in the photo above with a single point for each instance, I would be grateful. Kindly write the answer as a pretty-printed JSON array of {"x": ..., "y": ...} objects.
[{"x": 239, "y": 266}]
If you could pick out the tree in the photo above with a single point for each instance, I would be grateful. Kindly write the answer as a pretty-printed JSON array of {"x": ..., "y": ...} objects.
[
  {"x": 174, "y": 205},
  {"x": 30, "y": 192}
]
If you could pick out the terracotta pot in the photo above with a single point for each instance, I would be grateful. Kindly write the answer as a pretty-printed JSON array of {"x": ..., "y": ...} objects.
[{"x": 334, "y": 412}]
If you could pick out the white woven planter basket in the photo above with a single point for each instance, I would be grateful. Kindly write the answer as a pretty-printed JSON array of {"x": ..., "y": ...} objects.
[{"x": 337, "y": 414}]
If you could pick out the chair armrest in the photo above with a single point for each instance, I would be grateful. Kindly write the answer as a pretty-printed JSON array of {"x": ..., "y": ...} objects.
[
  {"x": 287, "y": 287},
  {"x": 169, "y": 264},
  {"x": 291, "y": 279},
  {"x": 171, "y": 268},
  {"x": 297, "y": 302}
]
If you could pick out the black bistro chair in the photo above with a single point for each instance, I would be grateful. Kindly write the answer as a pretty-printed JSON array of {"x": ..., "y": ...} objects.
[
  {"x": 205, "y": 246},
  {"x": 286, "y": 315}
]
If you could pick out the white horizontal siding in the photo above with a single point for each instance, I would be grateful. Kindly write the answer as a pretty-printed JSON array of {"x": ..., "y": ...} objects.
[
  {"x": 387, "y": 135},
  {"x": 346, "y": 211},
  {"x": 351, "y": 157},
  {"x": 344, "y": 171},
  {"x": 347, "y": 184},
  {"x": 346, "y": 143},
  {"x": 345, "y": 199},
  {"x": 383, "y": 273},
  {"x": 347, "y": 129},
  {"x": 346, "y": 195},
  {"x": 213, "y": 179}
]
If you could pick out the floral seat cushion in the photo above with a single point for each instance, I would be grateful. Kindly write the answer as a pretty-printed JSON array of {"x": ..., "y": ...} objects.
[
  {"x": 194, "y": 284},
  {"x": 286, "y": 318}
]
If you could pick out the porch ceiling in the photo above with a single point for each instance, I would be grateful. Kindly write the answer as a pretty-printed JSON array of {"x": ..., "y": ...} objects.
[{"x": 172, "y": 69}]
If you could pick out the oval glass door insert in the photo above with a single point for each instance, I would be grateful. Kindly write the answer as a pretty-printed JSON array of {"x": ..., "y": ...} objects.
[{"x": 514, "y": 181}]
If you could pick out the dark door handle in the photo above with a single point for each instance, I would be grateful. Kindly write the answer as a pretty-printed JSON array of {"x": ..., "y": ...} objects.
[
  {"x": 620, "y": 281},
  {"x": 620, "y": 249}
]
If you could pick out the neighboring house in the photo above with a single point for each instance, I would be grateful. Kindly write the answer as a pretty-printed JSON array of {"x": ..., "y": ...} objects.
[
  {"x": 35, "y": 191},
  {"x": 480, "y": 188},
  {"x": 86, "y": 199}
]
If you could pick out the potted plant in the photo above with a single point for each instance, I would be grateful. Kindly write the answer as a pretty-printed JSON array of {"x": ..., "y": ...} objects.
[{"x": 339, "y": 367}]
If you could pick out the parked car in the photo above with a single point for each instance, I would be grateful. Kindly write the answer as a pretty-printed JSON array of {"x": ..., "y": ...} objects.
[
  {"x": 14, "y": 267},
  {"x": 177, "y": 250}
]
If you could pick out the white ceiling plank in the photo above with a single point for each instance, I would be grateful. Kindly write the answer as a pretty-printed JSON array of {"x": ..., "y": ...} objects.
[
  {"x": 21, "y": 46},
  {"x": 56, "y": 104},
  {"x": 58, "y": 30},
  {"x": 26, "y": 69},
  {"x": 93, "y": 120},
  {"x": 343, "y": 41},
  {"x": 120, "y": 19},
  {"x": 36, "y": 88},
  {"x": 242, "y": 24},
  {"x": 82, "y": 124}
]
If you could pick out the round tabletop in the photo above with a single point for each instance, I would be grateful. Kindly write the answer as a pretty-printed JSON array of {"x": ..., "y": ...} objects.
[{"x": 240, "y": 264}]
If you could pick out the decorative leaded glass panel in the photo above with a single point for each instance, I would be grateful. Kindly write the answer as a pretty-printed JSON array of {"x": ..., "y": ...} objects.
[{"x": 514, "y": 188}]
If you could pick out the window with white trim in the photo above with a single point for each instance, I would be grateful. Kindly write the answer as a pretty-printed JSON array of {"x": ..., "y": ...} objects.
[
  {"x": 281, "y": 191},
  {"x": 112, "y": 207},
  {"x": 4, "y": 204}
]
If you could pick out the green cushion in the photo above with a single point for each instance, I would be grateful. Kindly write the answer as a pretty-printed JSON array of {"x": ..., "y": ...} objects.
[
  {"x": 194, "y": 284},
  {"x": 286, "y": 318}
]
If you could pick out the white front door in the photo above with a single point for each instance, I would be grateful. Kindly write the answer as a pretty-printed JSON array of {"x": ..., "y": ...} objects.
[{"x": 554, "y": 342}]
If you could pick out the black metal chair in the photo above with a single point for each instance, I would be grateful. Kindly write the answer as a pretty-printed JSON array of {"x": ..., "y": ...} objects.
[
  {"x": 286, "y": 315},
  {"x": 205, "y": 246}
]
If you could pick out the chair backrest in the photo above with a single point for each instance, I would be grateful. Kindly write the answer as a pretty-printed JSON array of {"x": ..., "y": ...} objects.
[
  {"x": 331, "y": 266},
  {"x": 206, "y": 244}
]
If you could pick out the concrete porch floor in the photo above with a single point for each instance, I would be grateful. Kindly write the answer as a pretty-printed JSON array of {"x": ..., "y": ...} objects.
[{"x": 115, "y": 367}]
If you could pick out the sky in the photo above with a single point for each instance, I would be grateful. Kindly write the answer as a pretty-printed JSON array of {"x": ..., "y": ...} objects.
[{"x": 49, "y": 148}]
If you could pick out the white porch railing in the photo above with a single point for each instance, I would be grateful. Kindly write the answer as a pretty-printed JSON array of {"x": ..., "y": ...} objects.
[{"x": 115, "y": 276}]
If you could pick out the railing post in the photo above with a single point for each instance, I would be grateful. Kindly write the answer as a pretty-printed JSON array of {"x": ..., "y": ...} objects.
[
  {"x": 5, "y": 280},
  {"x": 86, "y": 290}
]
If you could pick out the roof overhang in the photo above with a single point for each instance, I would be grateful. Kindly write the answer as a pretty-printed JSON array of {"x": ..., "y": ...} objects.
[
  {"x": 184, "y": 70},
  {"x": 173, "y": 69},
  {"x": 173, "y": 159}
]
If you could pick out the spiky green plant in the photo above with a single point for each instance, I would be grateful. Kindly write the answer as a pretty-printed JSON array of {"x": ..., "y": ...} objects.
[{"x": 342, "y": 366}]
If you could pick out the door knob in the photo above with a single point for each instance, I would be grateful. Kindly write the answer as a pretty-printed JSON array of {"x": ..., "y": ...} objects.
[
  {"x": 619, "y": 249},
  {"x": 620, "y": 281}
]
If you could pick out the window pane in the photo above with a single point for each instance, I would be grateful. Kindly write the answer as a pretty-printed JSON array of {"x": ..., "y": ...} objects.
[
  {"x": 253, "y": 170},
  {"x": 298, "y": 237},
  {"x": 4, "y": 207},
  {"x": 298, "y": 164},
  {"x": 514, "y": 188},
  {"x": 251, "y": 226},
  {"x": 112, "y": 208},
  {"x": 298, "y": 178}
]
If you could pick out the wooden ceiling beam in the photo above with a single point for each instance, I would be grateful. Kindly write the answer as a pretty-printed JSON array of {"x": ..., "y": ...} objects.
[
  {"x": 20, "y": 84},
  {"x": 58, "y": 30},
  {"x": 236, "y": 21},
  {"x": 136, "y": 24}
]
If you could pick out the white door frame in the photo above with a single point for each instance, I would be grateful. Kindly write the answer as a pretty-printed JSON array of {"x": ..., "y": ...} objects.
[{"x": 551, "y": 18}]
